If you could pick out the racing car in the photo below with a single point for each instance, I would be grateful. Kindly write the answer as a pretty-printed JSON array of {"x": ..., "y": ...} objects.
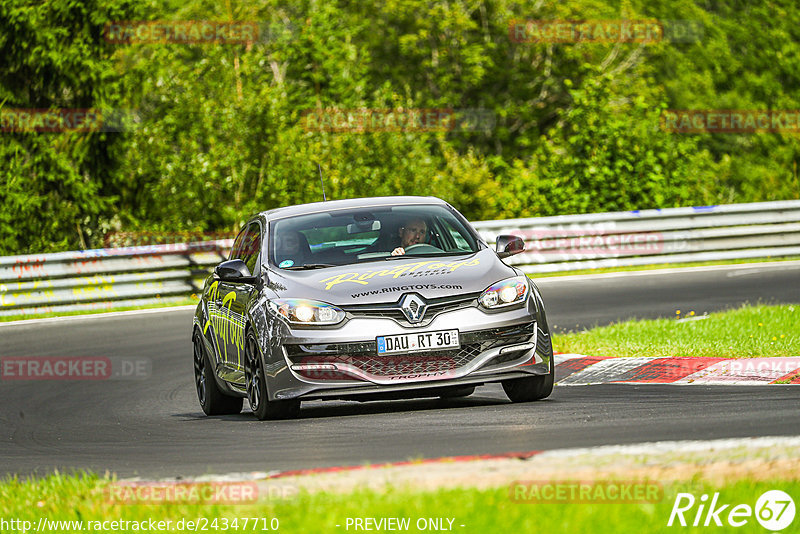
[{"x": 364, "y": 299}]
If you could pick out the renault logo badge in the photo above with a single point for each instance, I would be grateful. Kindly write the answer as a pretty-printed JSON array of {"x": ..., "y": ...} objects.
[{"x": 413, "y": 307}]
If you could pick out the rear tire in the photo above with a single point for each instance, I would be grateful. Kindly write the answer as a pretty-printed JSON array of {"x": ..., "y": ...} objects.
[
  {"x": 212, "y": 400},
  {"x": 262, "y": 407},
  {"x": 530, "y": 388}
]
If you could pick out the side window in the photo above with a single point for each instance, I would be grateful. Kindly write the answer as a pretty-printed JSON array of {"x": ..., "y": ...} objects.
[{"x": 251, "y": 247}]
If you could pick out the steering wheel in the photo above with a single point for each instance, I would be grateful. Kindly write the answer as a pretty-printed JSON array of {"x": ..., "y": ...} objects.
[{"x": 422, "y": 247}]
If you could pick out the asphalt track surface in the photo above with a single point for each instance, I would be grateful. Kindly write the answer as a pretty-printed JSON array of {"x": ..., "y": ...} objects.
[{"x": 155, "y": 428}]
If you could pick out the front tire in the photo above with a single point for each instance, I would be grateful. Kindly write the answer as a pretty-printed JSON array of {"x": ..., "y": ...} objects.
[
  {"x": 531, "y": 388},
  {"x": 262, "y": 407},
  {"x": 212, "y": 400}
]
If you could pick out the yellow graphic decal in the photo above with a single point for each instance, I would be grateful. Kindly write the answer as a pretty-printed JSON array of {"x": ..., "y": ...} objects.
[
  {"x": 229, "y": 329},
  {"x": 227, "y": 321},
  {"x": 420, "y": 266},
  {"x": 213, "y": 293}
]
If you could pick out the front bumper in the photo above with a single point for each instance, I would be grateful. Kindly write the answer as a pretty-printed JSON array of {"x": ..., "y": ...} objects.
[{"x": 342, "y": 362}]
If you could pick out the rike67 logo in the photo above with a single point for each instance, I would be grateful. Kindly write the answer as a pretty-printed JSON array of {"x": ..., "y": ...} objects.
[{"x": 774, "y": 510}]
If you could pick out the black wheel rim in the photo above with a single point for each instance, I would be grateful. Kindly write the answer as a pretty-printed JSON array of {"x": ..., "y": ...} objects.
[
  {"x": 199, "y": 370},
  {"x": 253, "y": 374}
]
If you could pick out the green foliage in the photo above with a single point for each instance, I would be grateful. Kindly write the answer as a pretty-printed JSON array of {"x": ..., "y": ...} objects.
[
  {"x": 56, "y": 188},
  {"x": 611, "y": 154},
  {"x": 221, "y": 131}
]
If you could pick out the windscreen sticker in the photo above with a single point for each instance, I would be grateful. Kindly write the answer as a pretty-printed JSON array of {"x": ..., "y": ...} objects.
[
  {"x": 411, "y": 269},
  {"x": 286, "y": 263}
]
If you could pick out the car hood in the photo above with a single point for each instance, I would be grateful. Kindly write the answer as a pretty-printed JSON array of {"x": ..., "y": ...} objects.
[{"x": 387, "y": 280}]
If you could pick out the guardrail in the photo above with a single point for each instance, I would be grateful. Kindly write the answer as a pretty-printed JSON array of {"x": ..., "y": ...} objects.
[
  {"x": 106, "y": 278},
  {"x": 140, "y": 276},
  {"x": 646, "y": 237}
]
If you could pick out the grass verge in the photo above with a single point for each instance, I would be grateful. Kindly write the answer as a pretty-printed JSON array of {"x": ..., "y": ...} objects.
[
  {"x": 749, "y": 332},
  {"x": 84, "y": 498}
]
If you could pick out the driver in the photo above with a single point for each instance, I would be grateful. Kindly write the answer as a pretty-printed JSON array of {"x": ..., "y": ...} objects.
[{"x": 413, "y": 232}]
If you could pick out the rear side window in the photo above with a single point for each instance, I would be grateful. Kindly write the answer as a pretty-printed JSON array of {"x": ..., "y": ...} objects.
[
  {"x": 251, "y": 247},
  {"x": 247, "y": 246},
  {"x": 236, "y": 249}
]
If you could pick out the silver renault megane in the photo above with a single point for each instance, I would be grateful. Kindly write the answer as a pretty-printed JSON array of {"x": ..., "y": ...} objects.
[{"x": 370, "y": 298}]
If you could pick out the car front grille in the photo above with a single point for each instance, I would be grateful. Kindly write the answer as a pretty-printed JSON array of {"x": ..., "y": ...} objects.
[
  {"x": 393, "y": 311},
  {"x": 364, "y": 356},
  {"x": 391, "y": 365}
]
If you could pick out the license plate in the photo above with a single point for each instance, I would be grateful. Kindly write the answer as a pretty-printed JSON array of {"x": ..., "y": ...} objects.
[{"x": 421, "y": 341}]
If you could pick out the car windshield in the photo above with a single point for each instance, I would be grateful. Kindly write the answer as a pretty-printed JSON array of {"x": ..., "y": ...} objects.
[{"x": 382, "y": 233}]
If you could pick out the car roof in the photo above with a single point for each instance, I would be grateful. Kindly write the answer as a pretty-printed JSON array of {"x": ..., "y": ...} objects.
[{"x": 331, "y": 205}]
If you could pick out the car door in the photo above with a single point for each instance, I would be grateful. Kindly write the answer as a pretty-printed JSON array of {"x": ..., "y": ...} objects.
[
  {"x": 221, "y": 317},
  {"x": 217, "y": 315},
  {"x": 235, "y": 299}
]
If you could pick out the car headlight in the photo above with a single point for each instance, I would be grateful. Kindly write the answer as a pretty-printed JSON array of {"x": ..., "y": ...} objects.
[
  {"x": 307, "y": 312},
  {"x": 505, "y": 293}
]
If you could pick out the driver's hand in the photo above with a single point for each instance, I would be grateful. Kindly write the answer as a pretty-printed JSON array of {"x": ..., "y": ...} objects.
[{"x": 399, "y": 251}]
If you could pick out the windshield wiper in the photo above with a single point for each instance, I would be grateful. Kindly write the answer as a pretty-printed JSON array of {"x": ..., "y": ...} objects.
[{"x": 307, "y": 266}]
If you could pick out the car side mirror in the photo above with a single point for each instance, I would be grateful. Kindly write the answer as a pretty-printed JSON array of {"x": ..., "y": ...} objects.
[
  {"x": 508, "y": 245},
  {"x": 235, "y": 271}
]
